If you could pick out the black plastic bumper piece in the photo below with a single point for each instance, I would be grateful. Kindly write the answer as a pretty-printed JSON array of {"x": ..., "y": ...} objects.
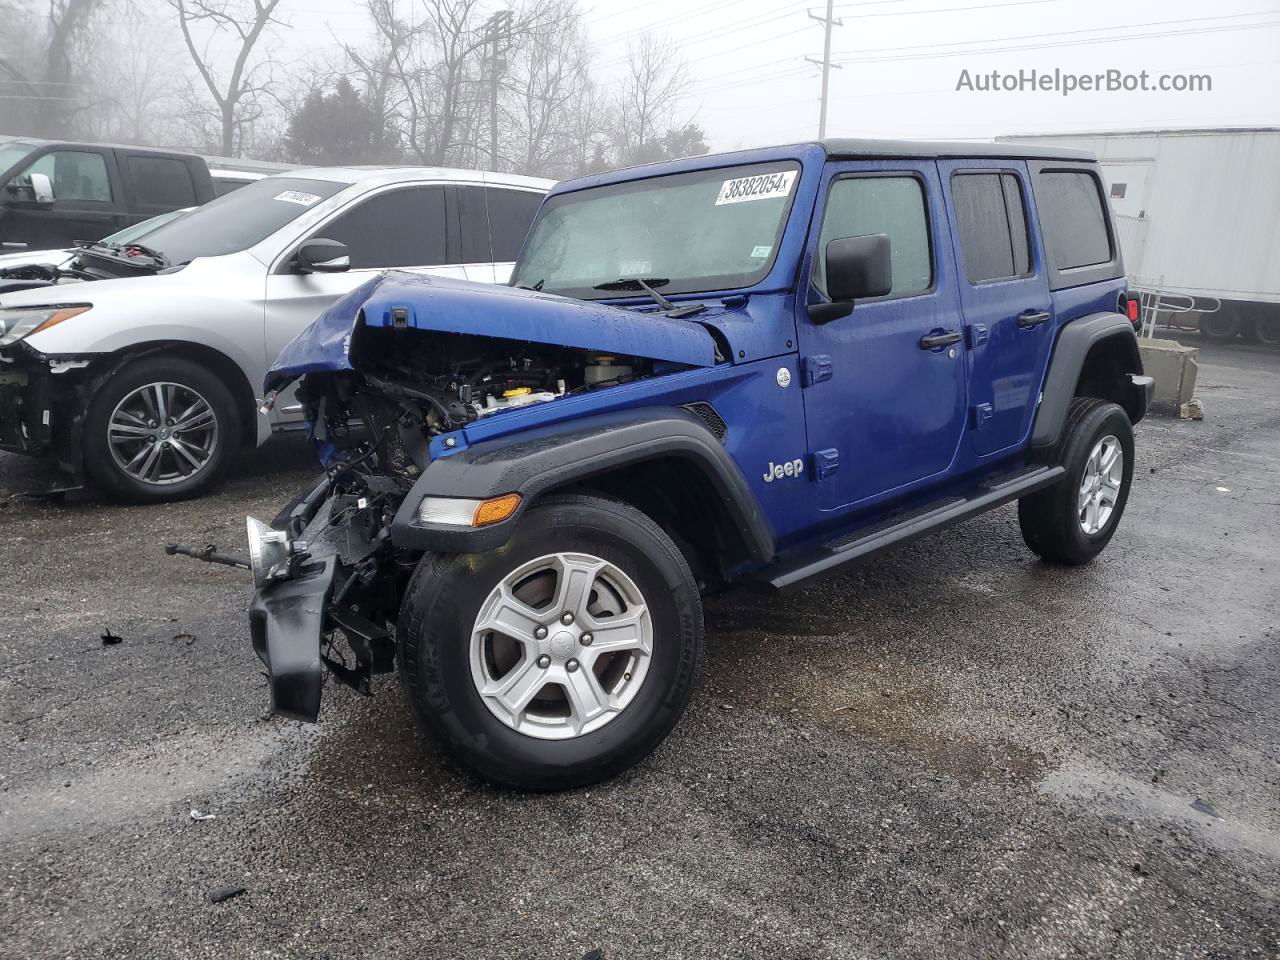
[
  {"x": 286, "y": 621},
  {"x": 1140, "y": 393}
]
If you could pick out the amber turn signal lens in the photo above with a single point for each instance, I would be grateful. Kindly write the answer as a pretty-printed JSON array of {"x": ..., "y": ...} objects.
[
  {"x": 495, "y": 510},
  {"x": 64, "y": 314}
]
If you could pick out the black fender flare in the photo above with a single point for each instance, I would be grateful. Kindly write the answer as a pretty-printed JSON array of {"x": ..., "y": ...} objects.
[
  {"x": 535, "y": 461},
  {"x": 1075, "y": 341}
]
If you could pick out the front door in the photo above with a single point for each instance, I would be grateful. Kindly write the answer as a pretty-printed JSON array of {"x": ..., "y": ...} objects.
[
  {"x": 884, "y": 388},
  {"x": 1004, "y": 291},
  {"x": 402, "y": 228}
]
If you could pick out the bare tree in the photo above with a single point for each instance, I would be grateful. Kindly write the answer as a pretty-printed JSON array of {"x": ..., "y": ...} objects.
[
  {"x": 38, "y": 66},
  {"x": 238, "y": 96},
  {"x": 650, "y": 93}
]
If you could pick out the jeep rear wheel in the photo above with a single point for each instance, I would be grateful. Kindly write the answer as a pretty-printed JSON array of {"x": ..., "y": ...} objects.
[
  {"x": 160, "y": 428},
  {"x": 561, "y": 658},
  {"x": 1072, "y": 521}
]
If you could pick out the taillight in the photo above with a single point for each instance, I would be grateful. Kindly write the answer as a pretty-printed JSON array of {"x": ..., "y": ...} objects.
[{"x": 1131, "y": 308}]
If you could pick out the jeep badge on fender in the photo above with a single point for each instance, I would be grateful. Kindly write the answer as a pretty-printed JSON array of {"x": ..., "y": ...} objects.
[{"x": 776, "y": 471}]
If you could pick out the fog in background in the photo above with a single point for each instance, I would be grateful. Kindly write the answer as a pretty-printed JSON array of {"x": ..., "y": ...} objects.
[{"x": 571, "y": 87}]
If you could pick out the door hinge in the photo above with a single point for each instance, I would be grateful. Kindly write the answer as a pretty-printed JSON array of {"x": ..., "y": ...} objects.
[
  {"x": 982, "y": 412},
  {"x": 825, "y": 463},
  {"x": 815, "y": 369},
  {"x": 977, "y": 334}
]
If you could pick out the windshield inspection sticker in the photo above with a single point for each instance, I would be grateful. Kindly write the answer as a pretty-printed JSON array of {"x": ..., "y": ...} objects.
[
  {"x": 760, "y": 187},
  {"x": 761, "y": 251},
  {"x": 297, "y": 196}
]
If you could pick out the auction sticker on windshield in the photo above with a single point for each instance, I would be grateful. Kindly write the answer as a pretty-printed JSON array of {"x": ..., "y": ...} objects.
[
  {"x": 763, "y": 186},
  {"x": 297, "y": 196}
]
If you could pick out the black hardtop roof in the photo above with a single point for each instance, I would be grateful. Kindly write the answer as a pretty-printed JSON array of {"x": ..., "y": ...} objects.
[{"x": 841, "y": 149}]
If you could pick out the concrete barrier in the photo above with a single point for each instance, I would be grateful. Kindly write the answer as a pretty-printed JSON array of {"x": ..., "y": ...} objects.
[{"x": 1174, "y": 368}]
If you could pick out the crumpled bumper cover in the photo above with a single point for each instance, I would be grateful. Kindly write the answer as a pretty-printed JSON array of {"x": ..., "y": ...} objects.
[{"x": 286, "y": 621}]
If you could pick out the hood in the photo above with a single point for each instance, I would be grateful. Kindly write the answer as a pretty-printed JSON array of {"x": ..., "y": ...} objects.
[{"x": 445, "y": 305}]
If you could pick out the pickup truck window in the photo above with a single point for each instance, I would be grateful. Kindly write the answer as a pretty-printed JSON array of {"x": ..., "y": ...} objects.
[
  {"x": 859, "y": 206},
  {"x": 75, "y": 175},
  {"x": 161, "y": 182},
  {"x": 238, "y": 220},
  {"x": 1074, "y": 223},
  {"x": 992, "y": 223},
  {"x": 706, "y": 230}
]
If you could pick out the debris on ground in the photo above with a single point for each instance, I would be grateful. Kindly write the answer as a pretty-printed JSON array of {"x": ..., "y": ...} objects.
[
  {"x": 1204, "y": 806},
  {"x": 225, "y": 893},
  {"x": 109, "y": 639},
  {"x": 197, "y": 815},
  {"x": 1193, "y": 409}
]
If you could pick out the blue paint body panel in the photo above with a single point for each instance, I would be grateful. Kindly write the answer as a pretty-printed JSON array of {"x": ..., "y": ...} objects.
[{"x": 832, "y": 425}]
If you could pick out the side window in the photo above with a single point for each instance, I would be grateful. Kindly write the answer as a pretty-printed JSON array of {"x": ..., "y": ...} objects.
[
  {"x": 858, "y": 206},
  {"x": 992, "y": 225},
  {"x": 1072, "y": 218},
  {"x": 400, "y": 228},
  {"x": 162, "y": 182},
  {"x": 75, "y": 175},
  {"x": 473, "y": 225},
  {"x": 510, "y": 214}
]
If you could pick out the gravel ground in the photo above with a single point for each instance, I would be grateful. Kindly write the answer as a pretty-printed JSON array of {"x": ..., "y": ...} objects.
[{"x": 952, "y": 751}]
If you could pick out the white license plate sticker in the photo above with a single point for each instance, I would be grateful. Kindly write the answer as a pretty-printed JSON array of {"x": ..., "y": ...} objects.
[
  {"x": 763, "y": 186},
  {"x": 297, "y": 196},
  {"x": 761, "y": 251}
]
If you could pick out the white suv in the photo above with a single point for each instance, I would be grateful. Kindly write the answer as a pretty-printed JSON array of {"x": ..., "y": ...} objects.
[{"x": 147, "y": 381}]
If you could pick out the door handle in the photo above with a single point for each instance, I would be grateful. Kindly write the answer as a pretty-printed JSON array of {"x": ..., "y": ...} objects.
[
  {"x": 1032, "y": 318},
  {"x": 935, "y": 340}
]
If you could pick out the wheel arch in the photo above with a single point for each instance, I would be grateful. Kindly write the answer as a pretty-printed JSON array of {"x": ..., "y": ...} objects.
[
  {"x": 217, "y": 362},
  {"x": 1096, "y": 356},
  {"x": 661, "y": 460}
]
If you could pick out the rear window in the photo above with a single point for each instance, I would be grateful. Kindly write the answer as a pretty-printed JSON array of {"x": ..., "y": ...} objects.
[
  {"x": 162, "y": 182},
  {"x": 1073, "y": 218}
]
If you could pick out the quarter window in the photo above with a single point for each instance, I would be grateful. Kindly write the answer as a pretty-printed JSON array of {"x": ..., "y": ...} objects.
[
  {"x": 1072, "y": 218},
  {"x": 859, "y": 206},
  {"x": 400, "y": 228},
  {"x": 992, "y": 224}
]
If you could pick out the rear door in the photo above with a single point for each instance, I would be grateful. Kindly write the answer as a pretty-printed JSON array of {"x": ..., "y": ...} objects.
[
  {"x": 401, "y": 228},
  {"x": 156, "y": 184},
  {"x": 1004, "y": 294}
]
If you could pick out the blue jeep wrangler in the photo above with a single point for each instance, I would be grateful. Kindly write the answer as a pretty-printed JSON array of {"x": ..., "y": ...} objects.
[{"x": 751, "y": 368}]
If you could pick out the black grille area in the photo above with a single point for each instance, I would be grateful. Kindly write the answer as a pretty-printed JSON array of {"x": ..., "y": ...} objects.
[{"x": 707, "y": 414}]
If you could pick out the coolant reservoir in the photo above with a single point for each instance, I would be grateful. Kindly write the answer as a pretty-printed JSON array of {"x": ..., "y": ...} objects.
[{"x": 602, "y": 369}]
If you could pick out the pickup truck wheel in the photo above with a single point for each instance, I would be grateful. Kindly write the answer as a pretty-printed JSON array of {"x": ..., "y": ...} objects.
[
  {"x": 1072, "y": 521},
  {"x": 561, "y": 658},
  {"x": 160, "y": 428}
]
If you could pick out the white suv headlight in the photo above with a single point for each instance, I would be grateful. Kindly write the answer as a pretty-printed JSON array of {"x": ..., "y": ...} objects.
[{"x": 17, "y": 323}]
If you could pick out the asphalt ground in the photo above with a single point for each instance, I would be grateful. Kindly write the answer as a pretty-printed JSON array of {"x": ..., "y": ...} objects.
[{"x": 953, "y": 751}]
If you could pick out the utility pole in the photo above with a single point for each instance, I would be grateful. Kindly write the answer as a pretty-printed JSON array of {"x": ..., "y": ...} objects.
[
  {"x": 827, "y": 22},
  {"x": 497, "y": 29}
]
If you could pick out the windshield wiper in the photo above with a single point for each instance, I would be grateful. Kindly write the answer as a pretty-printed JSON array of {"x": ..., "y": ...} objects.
[
  {"x": 669, "y": 309},
  {"x": 535, "y": 288}
]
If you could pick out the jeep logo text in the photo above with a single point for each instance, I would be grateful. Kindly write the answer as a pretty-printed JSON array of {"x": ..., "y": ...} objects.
[{"x": 776, "y": 471}]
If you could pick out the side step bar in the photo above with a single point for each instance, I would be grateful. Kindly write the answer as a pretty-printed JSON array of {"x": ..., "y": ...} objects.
[{"x": 904, "y": 528}]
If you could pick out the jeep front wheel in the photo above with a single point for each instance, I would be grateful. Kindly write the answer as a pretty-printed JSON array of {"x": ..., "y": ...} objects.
[
  {"x": 1072, "y": 521},
  {"x": 560, "y": 659},
  {"x": 160, "y": 428}
]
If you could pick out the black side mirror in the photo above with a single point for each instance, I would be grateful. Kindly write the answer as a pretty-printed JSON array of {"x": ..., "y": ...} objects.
[
  {"x": 856, "y": 268},
  {"x": 320, "y": 255}
]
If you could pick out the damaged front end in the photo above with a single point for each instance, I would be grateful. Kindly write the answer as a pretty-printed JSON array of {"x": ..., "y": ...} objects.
[{"x": 391, "y": 377}]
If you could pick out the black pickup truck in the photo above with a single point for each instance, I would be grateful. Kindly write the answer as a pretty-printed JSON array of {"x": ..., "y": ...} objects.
[{"x": 53, "y": 193}]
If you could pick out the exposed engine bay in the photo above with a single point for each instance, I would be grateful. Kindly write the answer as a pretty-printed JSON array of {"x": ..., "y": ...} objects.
[{"x": 330, "y": 551}]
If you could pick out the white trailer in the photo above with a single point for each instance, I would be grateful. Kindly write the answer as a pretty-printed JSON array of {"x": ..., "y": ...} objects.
[{"x": 1198, "y": 217}]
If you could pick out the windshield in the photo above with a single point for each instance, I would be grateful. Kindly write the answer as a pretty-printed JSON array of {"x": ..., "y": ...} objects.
[
  {"x": 139, "y": 230},
  {"x": 12, "y": 152},
  {"x": 238, "y": 220},
  {"x": 685, "y": 233}
]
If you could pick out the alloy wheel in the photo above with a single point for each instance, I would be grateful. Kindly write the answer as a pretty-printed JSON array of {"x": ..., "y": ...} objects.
[
  {"x": 1100, "y": 485},
  {"x": 163, "y": 433}
]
